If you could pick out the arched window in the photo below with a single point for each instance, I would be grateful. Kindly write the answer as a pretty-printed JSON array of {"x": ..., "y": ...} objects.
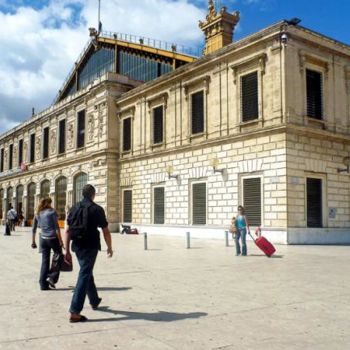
[
  {"x": 61, "y": 191},
  {"x": 19, "y": 199},
  {"x": 31, "y": 202},
  {"x": 9, "y": 198},
  {"x": 1, "y": 202},
  {"x": 45, "y": 189},
  {"x": 79, "y": 182}
]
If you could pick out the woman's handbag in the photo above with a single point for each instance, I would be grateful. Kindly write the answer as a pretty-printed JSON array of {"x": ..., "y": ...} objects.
[{"x": 232, "y": 229}]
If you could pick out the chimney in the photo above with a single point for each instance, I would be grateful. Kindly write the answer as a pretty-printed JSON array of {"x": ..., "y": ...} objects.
[{"x": 218, "y": 28}]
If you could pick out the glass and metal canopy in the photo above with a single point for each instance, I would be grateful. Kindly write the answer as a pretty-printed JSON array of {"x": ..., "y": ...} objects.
[{"x": 138, "y": 58}]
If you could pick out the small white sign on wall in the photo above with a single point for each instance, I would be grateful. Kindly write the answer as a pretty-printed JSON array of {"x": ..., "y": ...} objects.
[{"x": 332, "y": 213}]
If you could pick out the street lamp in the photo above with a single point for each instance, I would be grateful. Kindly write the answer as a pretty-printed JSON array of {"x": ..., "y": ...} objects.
[
  {"x": 170, "y": 171},
  {"x": 215, "y": 163}
]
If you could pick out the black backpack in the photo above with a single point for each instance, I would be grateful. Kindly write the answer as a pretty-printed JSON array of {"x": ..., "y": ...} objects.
[{"x": 79, "y": 222}]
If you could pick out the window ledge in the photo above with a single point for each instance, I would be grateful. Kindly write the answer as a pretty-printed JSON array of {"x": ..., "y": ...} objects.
[
  {"x": 157, "y": 145},
  {"x": 250, "y": 122},
  {"x": 197, "y": 136},
  {"x": 125, "y": 153}
]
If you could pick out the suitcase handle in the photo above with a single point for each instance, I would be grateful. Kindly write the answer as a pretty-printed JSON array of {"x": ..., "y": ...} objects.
[{"x": 251, "y": 236}]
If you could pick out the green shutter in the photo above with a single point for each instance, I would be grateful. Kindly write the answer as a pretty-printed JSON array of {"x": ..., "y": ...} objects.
[
  {"x": 314, "y": 202},
  {"x": 252, "y": 200},
  {"x": 127, "y": 206},
  {"x": 250, "y": 99},
  {"x": 199, "y": 204},
  {"x": 197, "y": 112},
  {"x": 158, "y": 199}
]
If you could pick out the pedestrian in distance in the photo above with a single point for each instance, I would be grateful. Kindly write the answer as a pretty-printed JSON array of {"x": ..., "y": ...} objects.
[
  {"x": 46, "y": 219},
  {"x": 82, "y": 229},
  {"x": 242, "y": 228},
  {"x": 11, "y": 217}
]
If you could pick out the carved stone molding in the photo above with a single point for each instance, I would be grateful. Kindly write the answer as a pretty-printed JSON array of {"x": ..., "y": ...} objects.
[
  {"x": 258, "y": 59},
  {"x": 91, "y": 126},
  {"x": 53, "y": 142},
  {"x": 70, "y": 135},
  {"x": 205, "y": 80},
  {"x": 305, "y": 57},
  {"x": 163, "y": 97}
]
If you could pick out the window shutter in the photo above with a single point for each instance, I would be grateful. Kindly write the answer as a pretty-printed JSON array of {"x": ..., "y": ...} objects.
[
  {"x": 20, "y": 152},
  {"x": 158, "y": 125},
  {"x": 198, "y": 112},
  {"x": 314, "y": 202},
  {"x": 252, "y": 200},
  {"x": 62, "y": 140},
  {"x": 127, "y": 134},
  {"x": 314, "y": 94},
  {"x": 250, "y": 99},
  {"x": 158, "y": 205},
  {"x": 11, "y": 157},
  {"x": 81, "y": 129},
  {"x": 2, "y": 160},
  {"x": 46, "y": 143},
  {"x": 199, "y": 204},
  {"x": 32, "y": 148},
  {"x": 127, "y": 210}
]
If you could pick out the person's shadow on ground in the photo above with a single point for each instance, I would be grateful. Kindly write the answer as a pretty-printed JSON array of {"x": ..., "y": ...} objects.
[{"x": 160, "y": 316}]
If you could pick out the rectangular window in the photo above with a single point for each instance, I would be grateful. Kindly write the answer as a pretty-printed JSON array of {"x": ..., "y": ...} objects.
[
  {"x": 158, "y": 205},
  {"x": 252, "y": 200},
  {"x": 314, "y": 202},
  {"x": 197, "y": 116},
  {"x": 199, "y": 203},
  {"x": 249, "y": 97},
  {"x": 127, "y": 206},
  {"x": 62, "y": 137},
  {"x": 11, "y": 157},
  {"x": 32, "y": 148},
  {"x": 20, "y": 152},
  {"x": 314, "y": 94},
  {"x": 127, "y": 134},
  {"x": 2, "y": 160},
  {"x": 158, "y": 125},
  {"x": 46, "y": 143},
  {"x": 81, "y": 129}
]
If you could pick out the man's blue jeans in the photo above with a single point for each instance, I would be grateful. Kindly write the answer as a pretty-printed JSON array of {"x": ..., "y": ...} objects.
[
  {"x": 85, "y": 284},
  {"x": 241, "y": 233}
]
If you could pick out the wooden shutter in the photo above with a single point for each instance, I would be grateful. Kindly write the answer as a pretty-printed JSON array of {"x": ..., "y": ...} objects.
[
  {"x": 46, "y": 143},
  {"x": 197, "y": 112},
  {"x": 62, "y": 137},
  {"x": 127, "y": 134},
  {"x": 81, "y": 129},
  {"x": 199, "y": 204},
  {"x": 32, "y": 148},
  {"x": 250, "y": 98},
  {"x": 314, "y": 202},
  {"x": 2, "y": 160},
  {"x": 11, "y": 157},
  {"x": 252, "y": 200},
  {"x": 20, "y": 152},
  {"x": 127, "y": 206},
  {"x": 158, "y": 199},
  {"x": 158, "y": 125},
  {"x": 314, "y": 94}
]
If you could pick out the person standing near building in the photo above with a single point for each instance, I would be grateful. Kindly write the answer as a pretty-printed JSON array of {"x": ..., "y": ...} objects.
[
  {"x": 82, "y": 223},
  {"x": 241, "y": 232},
  {"x": 50, "y": 239},
  {"x": 11, "y": 217}
]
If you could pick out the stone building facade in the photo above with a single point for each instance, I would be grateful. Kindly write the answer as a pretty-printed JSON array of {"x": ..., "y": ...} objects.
[{"x": 263, "y": 122}]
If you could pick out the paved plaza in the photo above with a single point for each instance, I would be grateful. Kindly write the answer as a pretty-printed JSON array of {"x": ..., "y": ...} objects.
[{"x": 170, "y": 297}]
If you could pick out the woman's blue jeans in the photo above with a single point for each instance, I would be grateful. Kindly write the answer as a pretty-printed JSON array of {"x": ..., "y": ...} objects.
[
  {"x": 85, "y": 284},
  {"x": 241, "y": 234}
]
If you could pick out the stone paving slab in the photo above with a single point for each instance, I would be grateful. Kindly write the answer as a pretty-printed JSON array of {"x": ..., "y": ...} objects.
[{"x": 170, "y": 297}]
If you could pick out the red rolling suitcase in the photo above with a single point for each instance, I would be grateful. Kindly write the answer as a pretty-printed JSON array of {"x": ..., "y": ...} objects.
[{"x": 264, "y": 245}]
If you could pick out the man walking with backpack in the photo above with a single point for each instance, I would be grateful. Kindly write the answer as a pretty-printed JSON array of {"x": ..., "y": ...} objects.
[{"x": 83, "y": 220}]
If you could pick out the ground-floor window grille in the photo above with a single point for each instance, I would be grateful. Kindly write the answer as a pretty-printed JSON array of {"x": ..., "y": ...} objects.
[
  {"x": 61, "y": 197},
  {"x": 127, "y": 206},
  {"x": 79, "y": 182},
  {"x": 158, "y": 206},
  {"x": 252, "y": 200},
  {"x": 45, "y": 189},
  {"x": 314, "y": 202},
  {"x": 31, "y": 201},
  {"x": 199, "y": 203}
]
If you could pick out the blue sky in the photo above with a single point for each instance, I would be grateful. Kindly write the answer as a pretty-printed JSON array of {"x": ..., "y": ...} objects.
[{"x": 40, "y": 40}]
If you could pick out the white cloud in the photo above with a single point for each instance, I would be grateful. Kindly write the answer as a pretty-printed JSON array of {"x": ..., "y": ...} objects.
[{"x": 39, "y": 47}]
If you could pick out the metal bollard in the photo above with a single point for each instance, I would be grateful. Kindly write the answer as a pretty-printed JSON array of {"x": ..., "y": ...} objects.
[
  {"x": 226, "y": 238},
  {"x": 145, "y": 240},
  {"x": 188, "y": 240}
]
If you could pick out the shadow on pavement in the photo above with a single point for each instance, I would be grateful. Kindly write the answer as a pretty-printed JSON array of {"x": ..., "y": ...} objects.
[
  {"x": 275, "y": 256},
  {"x": 115, "y": 289},
  {"x": 160, "y": 316}
]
